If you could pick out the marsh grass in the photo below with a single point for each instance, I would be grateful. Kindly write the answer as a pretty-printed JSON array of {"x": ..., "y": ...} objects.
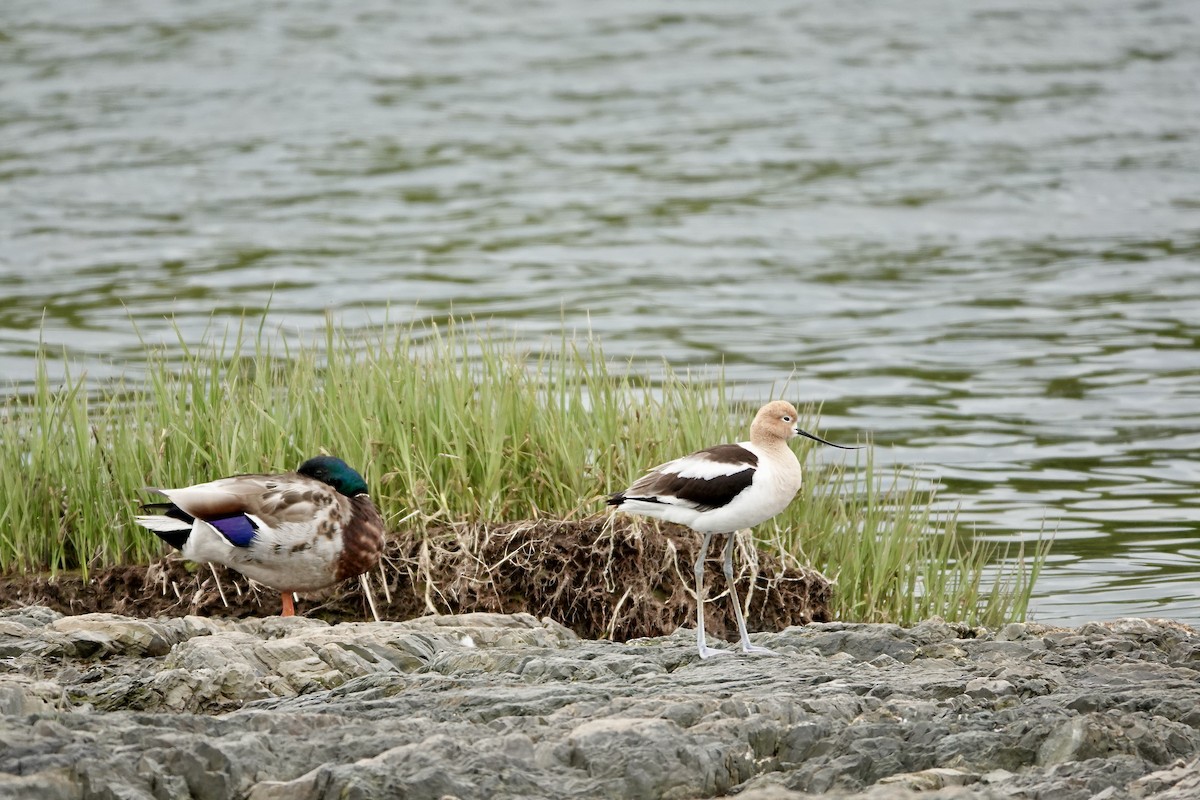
[
  {"x": 896, "y": 557},
  {"x": 450, "y": 425}
]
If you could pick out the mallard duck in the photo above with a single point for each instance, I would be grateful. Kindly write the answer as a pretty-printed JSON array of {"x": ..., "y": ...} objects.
[
  {"x": 295, "y": 532},
  {"x": 721, "y": 490}
]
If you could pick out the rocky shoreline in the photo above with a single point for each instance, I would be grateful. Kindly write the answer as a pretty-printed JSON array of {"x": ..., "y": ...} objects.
[{"x": 509, "y": 706}]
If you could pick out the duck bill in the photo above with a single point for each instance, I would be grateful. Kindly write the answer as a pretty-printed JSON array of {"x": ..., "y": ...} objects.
[{"x": 816, "y": 438}]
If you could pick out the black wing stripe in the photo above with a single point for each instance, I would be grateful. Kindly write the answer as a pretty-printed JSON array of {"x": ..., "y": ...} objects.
[
  {"x": 729, "y": 454},
  {"x": 704, "y": 494}
]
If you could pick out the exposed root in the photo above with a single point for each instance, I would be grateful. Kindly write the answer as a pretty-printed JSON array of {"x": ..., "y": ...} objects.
[{"x": 611, "y": 577}]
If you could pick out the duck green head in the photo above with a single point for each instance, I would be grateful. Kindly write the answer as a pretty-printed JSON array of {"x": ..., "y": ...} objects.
[{"x": 336, "y": 473}]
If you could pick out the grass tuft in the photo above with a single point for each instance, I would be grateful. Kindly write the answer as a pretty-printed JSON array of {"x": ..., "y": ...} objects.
[{"x": 455, "y": 426}]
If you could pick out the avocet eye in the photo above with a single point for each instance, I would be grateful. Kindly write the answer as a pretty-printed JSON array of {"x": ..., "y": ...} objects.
[{"x": 786, "y": 418}]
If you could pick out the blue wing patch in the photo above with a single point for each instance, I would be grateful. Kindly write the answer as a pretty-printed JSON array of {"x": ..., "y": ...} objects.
[{"x": 237, "y": 528}]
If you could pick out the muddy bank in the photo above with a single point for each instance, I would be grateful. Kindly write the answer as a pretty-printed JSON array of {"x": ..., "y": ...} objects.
[
  {"x": 507, "y": 706},
  {"x": 601, "y": 577}
]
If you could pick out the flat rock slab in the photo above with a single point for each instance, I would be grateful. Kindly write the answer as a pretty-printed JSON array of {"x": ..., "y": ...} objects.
[{"x": 509, "y": 706}]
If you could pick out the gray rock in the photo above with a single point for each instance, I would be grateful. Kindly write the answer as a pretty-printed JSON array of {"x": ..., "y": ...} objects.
[
  {"x": 487, "y": 705},
  {"x": 1081, "y": 738},
  {"x": 1180, "y": 781},
  {"x": 51, "y": 784},
  {"x": 863, "y": 642},
  {"x": 1013, "y": 632},
  {"x": 989, "y": 688},
  {"x": 109, "y": 634},
  {"x": 930, "y": 779}
]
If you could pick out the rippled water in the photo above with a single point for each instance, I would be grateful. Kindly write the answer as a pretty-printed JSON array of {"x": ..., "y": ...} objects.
[{"x": 969, "y": 229}]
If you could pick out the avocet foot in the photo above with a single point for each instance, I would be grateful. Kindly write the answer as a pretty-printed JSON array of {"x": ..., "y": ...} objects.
[{"x": 709, "y": 652}]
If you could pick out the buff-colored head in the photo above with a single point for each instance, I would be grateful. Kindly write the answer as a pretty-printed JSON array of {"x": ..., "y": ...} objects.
[{"x": 776, "y": 421}]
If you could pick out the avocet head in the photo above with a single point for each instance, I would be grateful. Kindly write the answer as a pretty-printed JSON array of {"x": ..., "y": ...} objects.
[
  {"x": 776, "y": 420},
  {"x": 780, "y": 420}
]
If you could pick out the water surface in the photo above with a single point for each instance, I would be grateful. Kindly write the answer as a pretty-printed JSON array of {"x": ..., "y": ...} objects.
[{"x": 971, "y": 230}]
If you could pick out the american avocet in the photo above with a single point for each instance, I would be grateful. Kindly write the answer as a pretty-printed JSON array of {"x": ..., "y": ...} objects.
[
  {"x": 721, "y": 490},
  {"x": 295, "y": 532}
]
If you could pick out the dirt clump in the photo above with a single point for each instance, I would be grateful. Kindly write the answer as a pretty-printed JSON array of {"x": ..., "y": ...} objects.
[{"x": 602, "y": 577}]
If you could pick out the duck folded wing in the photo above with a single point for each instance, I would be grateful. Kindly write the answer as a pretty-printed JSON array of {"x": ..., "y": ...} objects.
[{"x": 269, "y": 501}]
